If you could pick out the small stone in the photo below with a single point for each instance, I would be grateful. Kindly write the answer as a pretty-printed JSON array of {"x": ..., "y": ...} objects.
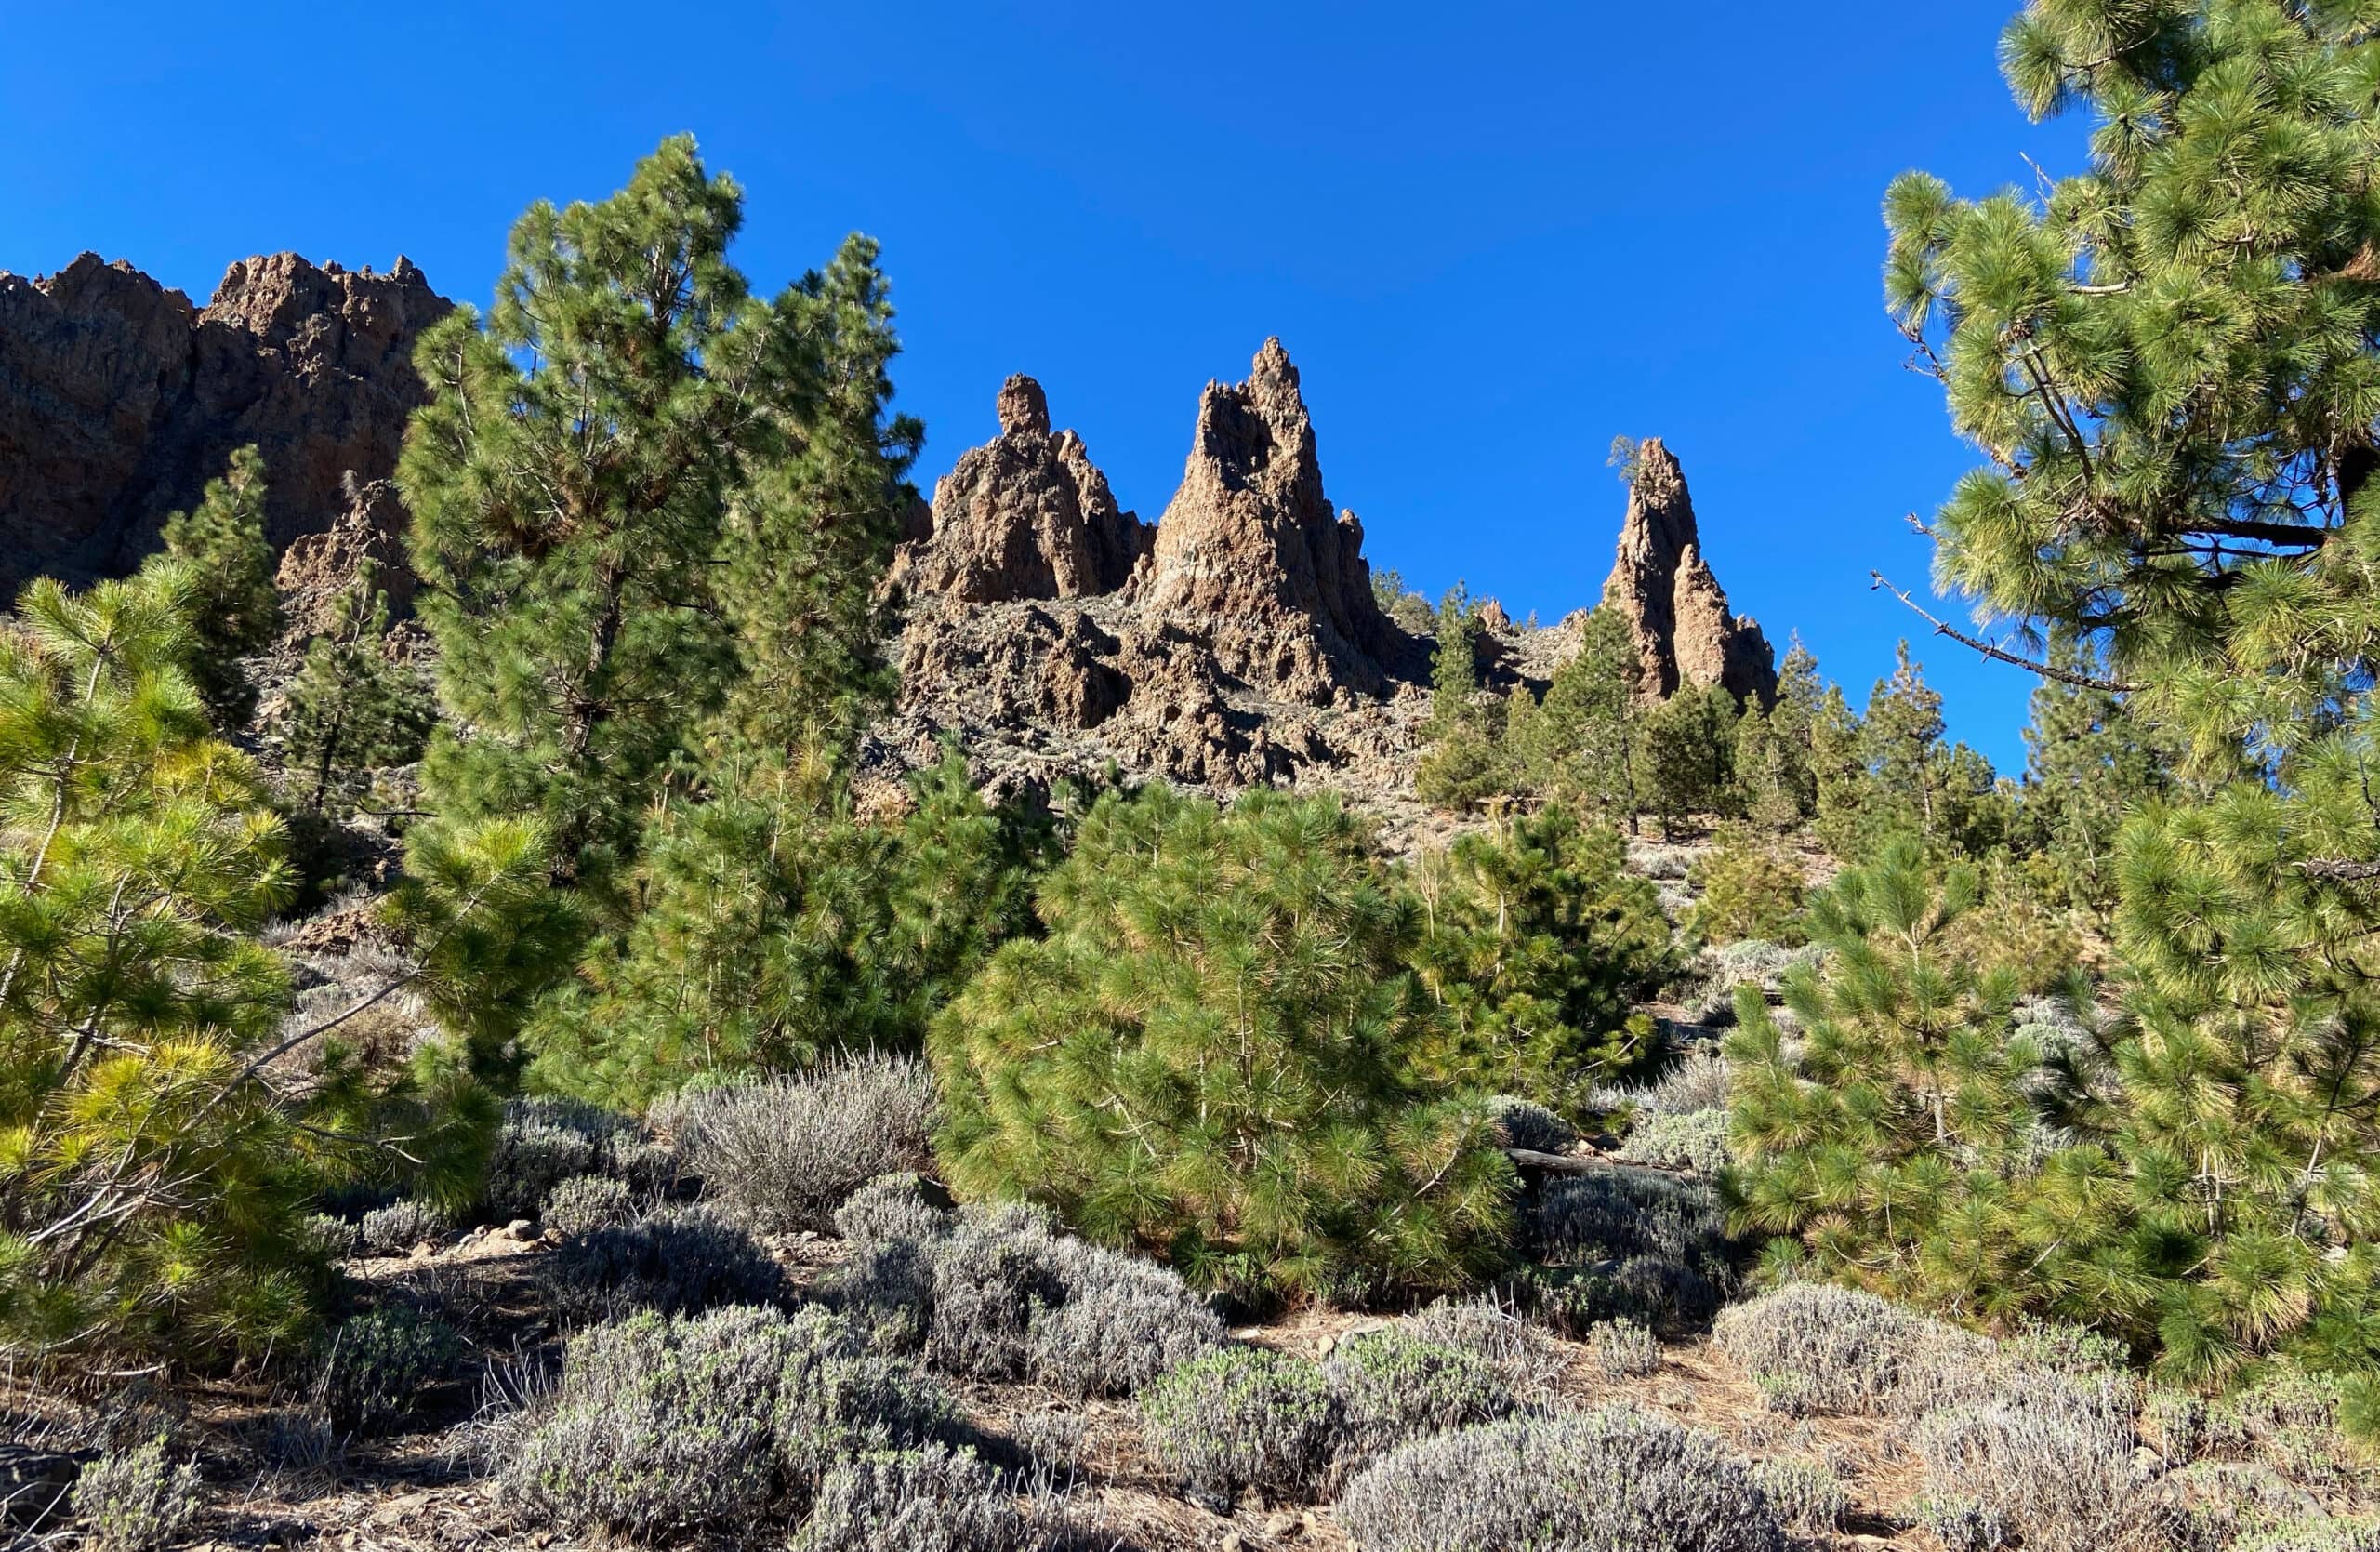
[
  {"x": 522, "y": 1229},
  {"x": 1235, "y": 1542},
  {"x": 1283, "y": 1526}
]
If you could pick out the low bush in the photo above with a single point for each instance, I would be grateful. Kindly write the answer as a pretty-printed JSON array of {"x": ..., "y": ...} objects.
[
  {"x": 135, "y": 1499},
  {"x": 543, "y": 1142},
  {"x": 1525, "y": 1124},
  {"x": 929, "y": 1500},
  {"x": 1747, "y": 887},
  {"x": 1696, "y": 1140},
  {"x": 2051, "y": 1460},
  {"x": 2326, "y": 1534},
  {"x": 676, "y": 1260},
  {"x": 1807, "y": 1498},
  {"x": 398, "y": 1227},
  {"x": 663, "y": 1426},
  {"x": 781, "y": 1155},
  {"x": 1614, "y": 1479},
  {"x": 1622, "y": 1350},
  {"x": 891, "y": 1207},
  {"x": 1242, "y": 1418},
  {"x": 1395, "y": 1385},
  {"x": 378, "y": 1365},
  {"x": 1811, "y": 1346},
  {"x": 1697, "y": 1081},
  {"x": 1714, "y": 975},
  {"x": 1631, "y": 1242},
  {"x": 1001, "y": 1294},
  {"x": 586, "y": 1202},
  {"x": 1530, "y": 1362}
]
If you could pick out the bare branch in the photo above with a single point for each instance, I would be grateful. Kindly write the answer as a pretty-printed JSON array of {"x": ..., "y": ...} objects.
[{"x": 1998, "y": 654}]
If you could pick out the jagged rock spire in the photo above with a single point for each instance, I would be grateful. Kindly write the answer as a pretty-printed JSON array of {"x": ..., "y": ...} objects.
[{"x": 1685, "y": 632}]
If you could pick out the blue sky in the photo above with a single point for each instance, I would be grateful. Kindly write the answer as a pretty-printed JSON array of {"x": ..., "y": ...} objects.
[{"x": 1492, "y": 236}]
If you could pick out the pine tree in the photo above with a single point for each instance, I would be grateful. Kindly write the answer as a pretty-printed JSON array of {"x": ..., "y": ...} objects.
[
  {"x": 1775, "y": 778},
  {"x": 229, "y": 571},
  {"x": 163, "y": 1129},
  {"x": 1537, "y": 945},
  {"x": 1210, "y": 1053},
  {"x": 351, "y": 705},
  {"x": 1466, "y": 765},
  {"x": 2089, "y": 759},
  {"x": 1583, "y": 744},
  {"x": 569, "y": 480},
  {"x": 1690, "y": 755}
]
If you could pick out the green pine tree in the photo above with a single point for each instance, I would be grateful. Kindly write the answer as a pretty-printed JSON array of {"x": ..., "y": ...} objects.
[
  {"x": 1690, "y": 756},
  {"x": 1465, "y": 766},
  {"x": 1585, "y": 743},
  {"x": 1775, "y": 778},
  {"x": 229, "y": 566},
  {"x": 1210, "y": 1054},
  {"x": 351, "y": 705},
  {"x": 2089, "y": 760}
]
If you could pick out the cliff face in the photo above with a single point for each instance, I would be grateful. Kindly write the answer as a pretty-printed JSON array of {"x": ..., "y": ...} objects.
[
  {"x": 1685, "y": 630},
  {"x": 119, "y": 399}
]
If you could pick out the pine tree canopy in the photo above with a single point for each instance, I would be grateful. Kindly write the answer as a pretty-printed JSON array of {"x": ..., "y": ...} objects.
[{"x": 227, "y": 571}]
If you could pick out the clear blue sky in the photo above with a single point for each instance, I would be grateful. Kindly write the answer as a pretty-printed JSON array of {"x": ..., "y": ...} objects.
[{"x": 1492, "y": 236}]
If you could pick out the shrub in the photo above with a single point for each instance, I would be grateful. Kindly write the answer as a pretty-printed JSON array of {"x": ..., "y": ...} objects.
[
  {"x": 1613, "y": 1480},
  {"x": 1525, "y": 1124},
  {"x": 2328, "y": 1535},
  {"x": 135, "y": 1499},
  {"x": 1965, "y": 1525},
  {"x": 332, "y": 1237},
  {"x": 929, "y": 1500},
  {"x": 1812, "y": 1346},
  {"x": 662, "y": 1426},
  {"x": 1243, "y": 1417},
  {"x": 1395, "y": 1385},
  {"x": 1807, "y": 1496},
  {"x": 1622, "y": 1350},
  {"x": 1530, "y": 1362},
  {"x": 891, "y": 1207},
  {"x": 586, "y": 1202},
  {"x": 396, "y": 1228},
  {"x": 380, "y": 1364},
  {"x": 780, "y": 1155},
  {"x": 544, "y": 1141},
  {"x": 677, "y": 1260},
  {"x": 1222, "y": 1003},
  {"x": 2052, "y": 1460},
  {"x": 1697, "y": 1081},
  {"x": 1637, "y": 1242},
  {"x": 1000, "y": 1294},
  {"x": 1696, "y": 1141},
  {"x": 1717, "y": 972}
]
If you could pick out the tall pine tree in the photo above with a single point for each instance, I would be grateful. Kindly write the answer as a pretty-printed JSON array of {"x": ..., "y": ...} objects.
[{"x": 228, "y": 568}]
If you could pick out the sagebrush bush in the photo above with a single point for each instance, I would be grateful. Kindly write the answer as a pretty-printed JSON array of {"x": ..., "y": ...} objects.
[
  {"x": 1715, "y": 974},
  {"x": 1622, "y": 1350},
  {"x": 1395, "y": 1385},
  {"x": 929, "y": 1500},
  {"x": 891, "y": 1207},
  {"x": 1812, "y": 1346},
  {"x": 542, "y": 1143},
  {"x": 1525, "y": 1124},
  {"x": 677, "y": 1260},
  {"x": 1634, "y": 1241},
  {"x": 2329, "y": 1534},
  {"x": 1808, "y": 1498},
  {"x": 135, "y": 1499},
  {"x": 1614, "y": 1479},
  {"x": 999, "y": 1294},
  {"x": 1696, "y": 1140},
  {"x": 379, "y": 1363},
  {"x": 1529, "y": 1359},
  {"x": 2051, "y": 1459},
  {"x": 1697, "y": 1081},
  {"x": 1242, "y": 1418},
  {"x": 586, "y": 1202},
  {"x": 663, "y": 1425},
  {"x": 398, "y": 1227},
  {"x": 781, "y": 1154}
]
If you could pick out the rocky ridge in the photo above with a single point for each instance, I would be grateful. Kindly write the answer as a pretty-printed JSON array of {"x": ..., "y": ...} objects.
[{"x": 119, "y": 399}]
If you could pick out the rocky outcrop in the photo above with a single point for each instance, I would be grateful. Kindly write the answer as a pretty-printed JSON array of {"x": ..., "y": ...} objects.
[
  {"x": 1685, "y": 632},
  {"x": 317, "y": 569},
  {"x": 118, "y": 400},
  {"x": 1250, "y": 554},
  {"x": 1025, "y": 516}
]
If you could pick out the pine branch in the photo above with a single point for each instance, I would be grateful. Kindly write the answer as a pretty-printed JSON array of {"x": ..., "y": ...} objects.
[
  {"x": 1998, "y": 654},
  {"x": 2339, "y": 870}
]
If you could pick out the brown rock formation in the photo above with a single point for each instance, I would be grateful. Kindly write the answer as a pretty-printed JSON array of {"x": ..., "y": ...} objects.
[
  {"x": 1025, "y": 516},
  {"x": 118, "y": 400},
  {"x": 1683, "y": 630},
  {"x": 1251, "y": 554},
  {"x": 317, "y": 569}
]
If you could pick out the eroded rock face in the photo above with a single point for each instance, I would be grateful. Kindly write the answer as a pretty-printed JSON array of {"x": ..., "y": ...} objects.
[
  {"x": 1025, "y": 516},
  {"x": 1685, "y": 632},
  {"x": 119, "y": 399},
  {"x": 317, "y": 569},
  {"x": 1250, "y": 552}
]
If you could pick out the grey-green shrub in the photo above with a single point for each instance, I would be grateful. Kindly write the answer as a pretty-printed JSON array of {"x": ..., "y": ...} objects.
[
  {"x": 1622, "y": 1350},
  {"x": 1964, "y": 1524},
  {"x": 398, "y": 1227},
  {"x": 1525, "y": 1124},
  {"x": 1812, "y": 1346},
  {"x": 1001, "y": 1294},
  {"x": 586, "y": 1202},
  {"x": 676, "y": 1260},
  {"x": 1242, "y": 1418},
  {"x": 929, "y": 1500},
  {"x": 2051, "y": 1459},
  {"x": 135, "y": 1499},
  {"x": 1614, "y": 1479},
  {"x": 1693, "y": 1140},
  {"x": 891, "y": 1207},
  {"x": 1529, "y": 1360},
  {"x": 2328, "y": 1535},
  {"x": 1656, "y": 1245},
  {"x": 1393, "y": 1385},
  {"x": 1808, "y": 1499},
  {"x": 782, "y": 1154},
  {"x": 378, "y": 1365},
  {"x": 663, "y": 1426}
]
